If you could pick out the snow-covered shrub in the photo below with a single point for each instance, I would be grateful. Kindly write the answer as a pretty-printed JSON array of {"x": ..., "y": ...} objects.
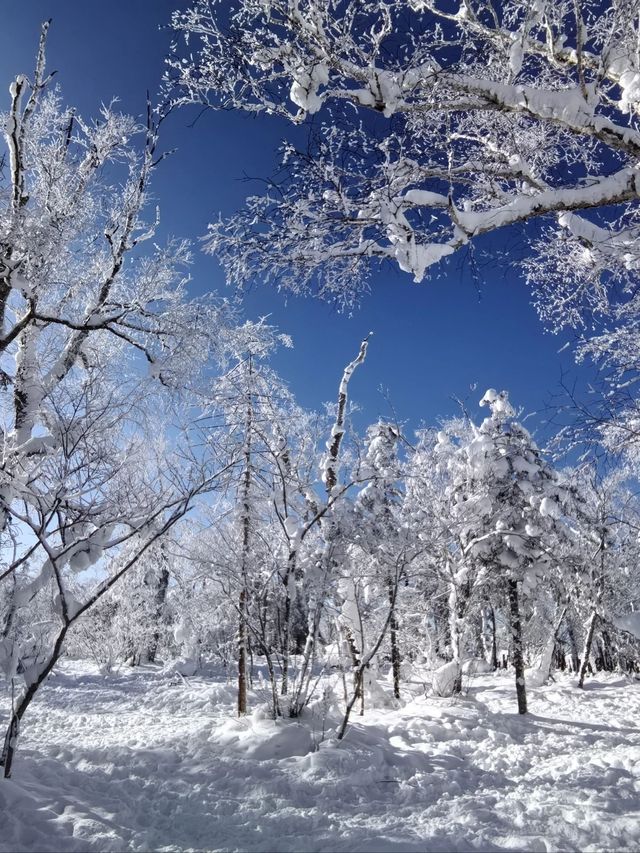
[{"x": 445, "y": 679}]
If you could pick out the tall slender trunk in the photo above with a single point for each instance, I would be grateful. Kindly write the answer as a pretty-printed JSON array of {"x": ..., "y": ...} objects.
[
  {"x": 160, "y": 598},
  {"x": 330, "y": 478},
  {"x": 286, "y": 638},
  {"x": 442, "y": 628},
  {"x": 246, "y": 541},
  {"x": 304, "y": 676},
  {"x": 393, "y": 640},
  {"x": 11, "y": 612},
  {"x": 516, "y": 645},
  {"x": 608, "y": 663},
  {"x": 458, "y": 600},
  {"x": 573, "y": 647},
  {"x": 358, "y": 682},
  {"x": 586, "y": 652},
  {"x": 593, "y": 619},
  {"x": 303, "y": 681},
  {"x": 489, "y": 643},
  {"x": 261, "y": 640},
  {"x": 242, "y": 653}
]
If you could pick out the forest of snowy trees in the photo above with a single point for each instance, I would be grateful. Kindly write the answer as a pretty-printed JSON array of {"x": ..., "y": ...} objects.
[{"x": 164, "y": 499}]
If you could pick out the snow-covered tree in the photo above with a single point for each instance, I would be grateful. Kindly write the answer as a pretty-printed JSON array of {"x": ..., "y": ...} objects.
[
  {"x": 99, "y": 345},
  {"x": 129, "y": 624},
  {"x": 326, "y": 519},
  {"x": 441, "y": 124},
  {"x": 504, "y": 516},
  {"x": 442, "y": 507},
  {"x": 603, "y": 579},
  {"x": 256, "y": 422},
  {"x": 382, "y": 532}
]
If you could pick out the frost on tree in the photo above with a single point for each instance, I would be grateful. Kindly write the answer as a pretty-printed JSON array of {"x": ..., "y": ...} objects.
[
  {"x": 437, "y": 125},
  {"x": 385, "y": 540},
  {"x": 501, "y": 512},
  {"x": 99, "y": 352}
]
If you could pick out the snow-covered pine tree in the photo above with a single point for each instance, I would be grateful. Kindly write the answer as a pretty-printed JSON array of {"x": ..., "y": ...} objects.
[
  {"x": 509, "y": 503},
  {"x": 381, "y": 532}
]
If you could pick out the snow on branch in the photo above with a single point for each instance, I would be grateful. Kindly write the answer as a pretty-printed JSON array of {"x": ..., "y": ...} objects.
[
  {"x": 544, "y": 125},
  {"x": 330, "y": 463}
]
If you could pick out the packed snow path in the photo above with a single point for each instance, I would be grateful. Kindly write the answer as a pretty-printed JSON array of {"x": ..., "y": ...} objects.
[{"x": 145, "y": 761}]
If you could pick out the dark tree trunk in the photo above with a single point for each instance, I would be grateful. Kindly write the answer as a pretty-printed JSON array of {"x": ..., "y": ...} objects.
[
  {"x": 286, "y": 638},
  {"x": 575, "y": 660},
  {"x": 516, "y": 646},
  {"x": 8, "y": 622},
  {"x": 396, "y": 658},
  {"x": 608, "y": 662},
  {"x": 161, "y": 596},
  {"x": 358, "y": 680},
  {"x": 442, "y": 631},
  {"x": 300, "y": 627},
  {"x": 489, "y": 635},
  {"x": 458, "y": 603},
  {"x": 242, "y": 654},
  {"x": 246, "y": 543}
]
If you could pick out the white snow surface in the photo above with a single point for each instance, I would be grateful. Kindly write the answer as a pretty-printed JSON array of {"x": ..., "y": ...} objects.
[{"x": 144, "y": 761}]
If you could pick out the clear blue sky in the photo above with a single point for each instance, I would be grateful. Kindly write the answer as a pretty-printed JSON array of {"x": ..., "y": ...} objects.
[{"x": 430, "y": 341}]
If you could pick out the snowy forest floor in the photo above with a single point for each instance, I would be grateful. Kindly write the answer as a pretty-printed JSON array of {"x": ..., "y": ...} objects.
[{"x": 142, "y": 760}]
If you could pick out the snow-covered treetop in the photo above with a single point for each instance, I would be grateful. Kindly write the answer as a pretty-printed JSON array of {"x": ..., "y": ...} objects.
[
  {"x": 381, "y": 457},
  {"x": 498, "y": 403},
  {"x": 495, "y": 499}
]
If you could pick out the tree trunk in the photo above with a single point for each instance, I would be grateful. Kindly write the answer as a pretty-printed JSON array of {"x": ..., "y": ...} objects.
[
  {"x": 489, "y": 636},
  {"x": 275, "y": 704},
  {"x": 246, "y": 542},
  {"x": 13, "y": 729},
  {"x": 286, "y": 639},
  {"x": 306, "y": 669},
  {"x": 457, "y": 608},
  {"x": 161, "y": 595},
  {"x": 516, "y": 646},
  {"x": 358, "y": 681},
  {"x": 608, "y": 663},
  {"x": 242, "y": 654},
  {"x": 586, "y": 652},
  {"x": 441, "y": 628},
  {"x": 330, "y": 477},
  {"x": 8, "y": 622},
  {"x": 575, "y": 661},
  {"x": 393, "y": 639}
]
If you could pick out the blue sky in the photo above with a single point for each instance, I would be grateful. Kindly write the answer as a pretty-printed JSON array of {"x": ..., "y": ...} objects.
[{"x": 431, "y": 341}]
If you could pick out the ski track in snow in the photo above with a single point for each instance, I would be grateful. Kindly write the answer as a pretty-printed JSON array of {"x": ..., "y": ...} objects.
[{"x": 139, "y": 761}]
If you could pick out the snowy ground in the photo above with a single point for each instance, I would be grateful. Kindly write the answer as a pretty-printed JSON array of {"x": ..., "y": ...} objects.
[{"x": 145, "y": 761}]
